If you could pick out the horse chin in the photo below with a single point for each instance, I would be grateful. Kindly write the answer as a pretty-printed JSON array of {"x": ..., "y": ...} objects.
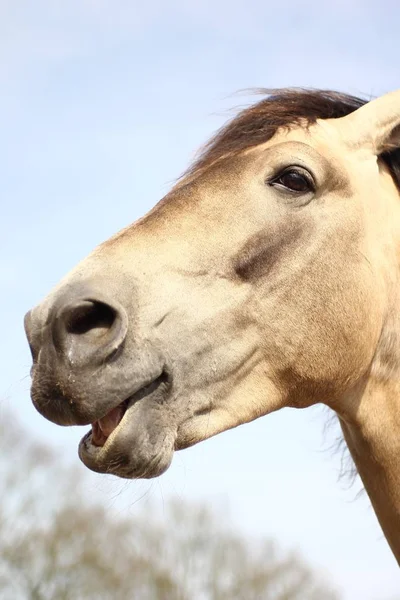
[{"x": 145, "y": 464}]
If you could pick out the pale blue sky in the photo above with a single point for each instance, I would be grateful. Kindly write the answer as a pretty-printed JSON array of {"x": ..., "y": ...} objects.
[{"x": 102, "y": 105}]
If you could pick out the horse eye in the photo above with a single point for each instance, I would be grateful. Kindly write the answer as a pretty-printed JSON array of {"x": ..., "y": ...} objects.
[{"x": 296, "y": 180}]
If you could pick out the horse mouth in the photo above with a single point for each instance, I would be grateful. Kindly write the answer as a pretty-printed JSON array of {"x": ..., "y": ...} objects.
[{"x": 105, "y": 426}]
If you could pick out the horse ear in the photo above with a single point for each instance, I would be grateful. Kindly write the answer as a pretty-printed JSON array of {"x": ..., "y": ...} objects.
[{"x": 376, "y": 124}]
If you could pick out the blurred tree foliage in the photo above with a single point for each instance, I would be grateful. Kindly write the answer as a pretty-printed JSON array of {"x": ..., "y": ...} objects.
[{"x": 56, "y": 544}]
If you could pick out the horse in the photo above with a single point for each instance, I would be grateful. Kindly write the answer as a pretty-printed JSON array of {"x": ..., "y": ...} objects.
[{"x": 267, "y": 277}]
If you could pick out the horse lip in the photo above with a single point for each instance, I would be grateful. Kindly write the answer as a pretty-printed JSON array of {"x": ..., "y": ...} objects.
[
  {"x": 148, "y": 388},
  {"x": 136, "y": 394},
  {"x": 141, "y": 392}
]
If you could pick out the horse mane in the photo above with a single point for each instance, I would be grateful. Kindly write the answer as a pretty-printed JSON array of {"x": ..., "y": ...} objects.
[{"x": 281, "y": 109}]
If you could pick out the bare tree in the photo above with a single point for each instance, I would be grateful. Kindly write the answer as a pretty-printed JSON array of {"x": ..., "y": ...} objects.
[{"x": 56, "y": 544}]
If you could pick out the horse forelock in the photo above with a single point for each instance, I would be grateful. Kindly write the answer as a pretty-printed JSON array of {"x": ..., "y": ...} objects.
[{"x": 279, "y": 109}]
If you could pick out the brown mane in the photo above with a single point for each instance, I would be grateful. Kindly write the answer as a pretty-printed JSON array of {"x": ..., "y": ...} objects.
[{"x": 281, "y": 108}]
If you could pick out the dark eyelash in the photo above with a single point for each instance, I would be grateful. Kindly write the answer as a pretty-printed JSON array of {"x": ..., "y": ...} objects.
[{"x": 301, "y": 172}]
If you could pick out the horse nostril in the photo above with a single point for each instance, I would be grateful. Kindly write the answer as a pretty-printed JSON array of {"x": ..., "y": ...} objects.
[
  {"x": 89, "y": 316},
  {"x": 88, "y": 331}
]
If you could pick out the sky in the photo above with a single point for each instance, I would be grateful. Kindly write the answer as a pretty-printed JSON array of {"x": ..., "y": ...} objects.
[{"x": 102, "y": 106}]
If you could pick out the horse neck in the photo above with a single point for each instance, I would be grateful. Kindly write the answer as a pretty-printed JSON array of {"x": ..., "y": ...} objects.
[{"x": 372, "y": 432}]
